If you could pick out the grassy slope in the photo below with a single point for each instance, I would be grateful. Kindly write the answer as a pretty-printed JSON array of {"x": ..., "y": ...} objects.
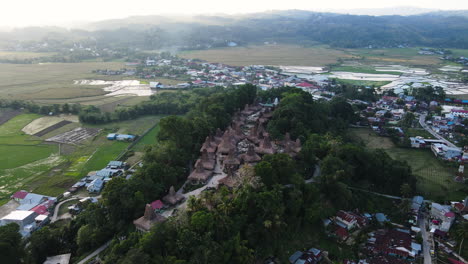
[{"x": 435, "y": 179}]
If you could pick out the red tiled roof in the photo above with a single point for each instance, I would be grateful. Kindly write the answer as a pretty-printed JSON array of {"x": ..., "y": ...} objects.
[
  {"x": 342, "y": 233},
  {"x": 304, "y": 84},
  {"x": 450, "y": 214},
  {"x": 19, "y": 195},
  {"x": 459, "y": 206},
  {"x": 157, "y": 204},
  {"x": 40, "y": 209}
]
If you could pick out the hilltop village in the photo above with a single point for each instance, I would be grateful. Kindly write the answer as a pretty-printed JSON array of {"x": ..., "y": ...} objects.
[{"x": 262, "y": 153}]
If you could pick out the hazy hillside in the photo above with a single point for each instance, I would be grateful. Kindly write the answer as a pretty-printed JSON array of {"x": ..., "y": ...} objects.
[{"x": 448, "y": 29}]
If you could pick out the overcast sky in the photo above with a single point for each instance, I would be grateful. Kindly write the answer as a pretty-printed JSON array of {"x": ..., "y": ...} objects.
[{"x": 44, "y": 12}]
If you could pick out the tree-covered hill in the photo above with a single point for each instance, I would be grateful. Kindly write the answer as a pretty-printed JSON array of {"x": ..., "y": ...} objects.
[{"x": 437, "y": 29}]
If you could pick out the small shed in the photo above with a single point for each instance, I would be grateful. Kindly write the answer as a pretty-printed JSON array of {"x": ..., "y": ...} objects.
[
  {"x": 112, "y": 136},
  {"x": 125, "y": 137}
]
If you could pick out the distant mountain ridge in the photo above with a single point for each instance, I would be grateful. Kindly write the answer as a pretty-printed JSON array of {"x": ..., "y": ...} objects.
[{"x": 442, "y": 29}]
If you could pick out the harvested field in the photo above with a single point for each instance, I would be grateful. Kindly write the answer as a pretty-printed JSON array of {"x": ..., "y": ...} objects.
[
  {"x": 270, "y": 55},
  {"x": 52, "y": 128},
  {"x": 8, "y": 114},
  {"x": 74, "y": 137},
  {"x": 40, "y": 124}
]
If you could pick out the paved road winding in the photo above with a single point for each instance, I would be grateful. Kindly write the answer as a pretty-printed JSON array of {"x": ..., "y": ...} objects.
[
  {"x": 95, "y": 253},
  {"x": 422, "y": 119},
  {"x": 426, "y": 246},
  {"x": 57, "y": 208}
]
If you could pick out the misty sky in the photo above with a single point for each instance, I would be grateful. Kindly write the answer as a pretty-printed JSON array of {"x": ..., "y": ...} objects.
[{"x": 47, "y": 12}]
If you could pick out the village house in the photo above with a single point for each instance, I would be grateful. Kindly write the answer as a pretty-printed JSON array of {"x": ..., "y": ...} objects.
[
  {"x": 445, "y": 152},
  {"x": 148, "y": 220},
  {"x": 23, "y": 218},
  {"x": 394, "y": 242},
  {"x": 443, "y": 217}
]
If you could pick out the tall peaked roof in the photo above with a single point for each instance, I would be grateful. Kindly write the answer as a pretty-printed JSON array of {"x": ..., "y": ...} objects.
[
  {"x": 266, "y": 147},
  {"x": 226, "y": 143},
  {"x": 200, "y": 174},
  {"x": 231, "y": 159},
  {"x": 172, "y": 197},
  {"x": 250, "y": 156}
]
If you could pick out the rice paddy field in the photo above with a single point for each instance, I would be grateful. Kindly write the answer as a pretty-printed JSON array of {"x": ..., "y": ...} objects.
[
  {"x": 22, "y": 156},
  {"x": 26, "y": 162},
  {"x": 52, "y": 82},
  {"x": 435, "y": 178},
  {"x": 271, "y": 55},
  {"x": 403, "y": 56}
]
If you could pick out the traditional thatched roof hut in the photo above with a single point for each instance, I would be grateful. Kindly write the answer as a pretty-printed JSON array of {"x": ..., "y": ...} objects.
[
  {"x": 172, "y": 197},
  {"x": 288, "y": 150},
  {"x": 149, "y": 219},
  {"x": 253, "y": 135},
  {"x": 208, "y": 145},
  {"x": 207, "y": 162},
  {"x": 266, "y": 147},
  {"x": 250, "y": 156},
  {"x": 226, "y": 144},
  {"x": 229, "y": 180},
  {"x": 199, "y": 175},
  {"x": 247, "y": 110},
  {"x": 296, "y": 146},
  {"x": 231, "y": 160},
  {"x": 287, "y": 140},
  {"x": 218, "y": 135},
  {"x": 238, "y": 134}
]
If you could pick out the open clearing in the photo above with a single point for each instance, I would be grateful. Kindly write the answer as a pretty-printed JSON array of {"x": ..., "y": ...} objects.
[
  {"x": 435, "y": 179},
  {"x": 270, "y": 55}
]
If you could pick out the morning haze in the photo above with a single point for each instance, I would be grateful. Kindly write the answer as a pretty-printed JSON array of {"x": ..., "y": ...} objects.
[{"x": 238, "y": 132}]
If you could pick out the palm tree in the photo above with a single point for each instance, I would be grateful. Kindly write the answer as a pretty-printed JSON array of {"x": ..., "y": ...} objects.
[{"x": 462, "y": 233}]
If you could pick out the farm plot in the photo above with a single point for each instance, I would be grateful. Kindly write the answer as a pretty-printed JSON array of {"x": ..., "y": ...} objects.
[
  {"x": 74, "y": 137},
  {"x": 435, "y": 179},
  {"x": 52, "y": 128},
  {"x": 41, "y": 124},
  {"x": 22, "y": 156},
  {"x": 7, "y": 114}
]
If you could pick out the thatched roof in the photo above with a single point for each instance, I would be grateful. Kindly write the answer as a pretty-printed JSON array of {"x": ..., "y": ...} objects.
[
  {"x": 250, "y": 156},
  {"x": 231, "y": 158},
  {"x": 226, "y": 143},
  {"x": 296, "y": 146},
  {"x": 149, "y": 219},
  {"x": 208, "y": 145},
  {"x": 172, "y": 197},
  {"x": 266, "y": 147},
  {"x": 199, "y": 174},
  {"x": 207, "y": 162}
]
